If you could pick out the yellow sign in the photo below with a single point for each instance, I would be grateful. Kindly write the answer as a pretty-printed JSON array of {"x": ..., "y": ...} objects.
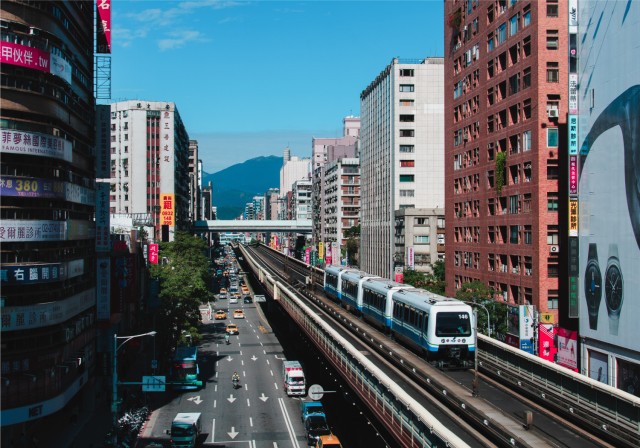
[
  {"x": 547, "y": 318},
  {"x": 320, "y": 250},
  {"x": 573, "y": 217},
  {"x": 167, "y": 210}
]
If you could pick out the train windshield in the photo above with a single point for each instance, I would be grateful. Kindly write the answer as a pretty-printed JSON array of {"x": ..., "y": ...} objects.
[{"x": 453, "y": 324}]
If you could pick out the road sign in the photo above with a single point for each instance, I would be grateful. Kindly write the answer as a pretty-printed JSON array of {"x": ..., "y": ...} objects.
[
  {"x": 259, "y": 298},
  {"x": 315, "y": 392},
  {"x": 153, "y": 383}
]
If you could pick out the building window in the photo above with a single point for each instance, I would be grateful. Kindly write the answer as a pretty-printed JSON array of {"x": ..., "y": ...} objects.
[
  {"x": 513, "y": 234},
  {"x": 552, "y": 39},
  {"x": 553, "y": 268},
  {"x": 407, "y": 88},
  {"x": 526, "y": 141},
  {"x": 552, "y": 202},
  {"x": 406, "y": 148},
  {"x": 406, "y": 72},
  {"x": 407, "y": 133},
  {"x": 552, "y": 137},
  {"x": 502, "y": 33},
  {"x": 527, "y": 235},
  {"x": 407, "y": 163},
  {"x": 407, "y": 193},
  {"x": 407, "y": 178},
  {"x": 513, "y": 205},
  {"x": 552, "y": 8},
  {"x": 553, "y": 72},
  {"x": 407, "y": 118},
  {"x": 513, "y": 25},
  {"x": 420, "y": 221},
  {"x": 407, "y": 103},
  {"x": 526, "y": 78},
  {"x": 490, "y": 43},
  {"x": 526, "y": 17},
  {"x": 553, "y": 236},
  {"x": 421, "y": 239},
  {"x": 552, "y": 299}
]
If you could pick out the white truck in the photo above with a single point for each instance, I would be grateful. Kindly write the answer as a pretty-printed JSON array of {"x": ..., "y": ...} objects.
[{"x": 294, "y": 382}]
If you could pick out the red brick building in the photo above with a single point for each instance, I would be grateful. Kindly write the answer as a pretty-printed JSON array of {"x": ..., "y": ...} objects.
[{"x": 506, "y": 104}]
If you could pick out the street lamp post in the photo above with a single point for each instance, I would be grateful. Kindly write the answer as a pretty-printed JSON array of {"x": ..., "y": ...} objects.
[
  {"x": 475, "y": 383},
  {"x": 116, "y": 347}
]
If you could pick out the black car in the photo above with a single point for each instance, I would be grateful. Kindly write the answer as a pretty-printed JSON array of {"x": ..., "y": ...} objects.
[
  {"x": 316, "y": 426},
  {"x": 248, "y": 299}
]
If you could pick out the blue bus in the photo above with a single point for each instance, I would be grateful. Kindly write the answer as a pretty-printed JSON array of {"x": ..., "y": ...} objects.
[{"x": 185, "y": 372}]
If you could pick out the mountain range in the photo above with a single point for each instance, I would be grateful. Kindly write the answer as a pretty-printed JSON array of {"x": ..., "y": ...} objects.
[{"x": 236, "y": 185}]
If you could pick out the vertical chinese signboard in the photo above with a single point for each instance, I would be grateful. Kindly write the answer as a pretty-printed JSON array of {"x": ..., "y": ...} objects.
[
  {"x": 153, "y": 253},
  {"x": 103, "y": 26},
  {"x": 167, "y": 214}
]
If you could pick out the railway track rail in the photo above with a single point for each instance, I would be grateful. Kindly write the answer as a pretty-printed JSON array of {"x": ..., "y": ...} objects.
[{"x": 555, "y": 427}]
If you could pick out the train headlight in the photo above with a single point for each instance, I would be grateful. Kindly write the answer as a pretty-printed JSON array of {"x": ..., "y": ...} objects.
[
  {"x": 442, "y": 341},
  {"x": 464, "y": 341}
]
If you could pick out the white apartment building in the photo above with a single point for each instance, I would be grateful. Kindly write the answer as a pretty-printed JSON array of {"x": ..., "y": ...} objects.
[
  {"x": 301, "y": 200},
  {"x": 401, "y": 153},
  {"x": 419, "y": 238},
  {"x": 293, "y": 168},
  {"x": 341, "y": 199},
  {"x": 324, "y": 151},
  {"x": 150, "y": 164}
]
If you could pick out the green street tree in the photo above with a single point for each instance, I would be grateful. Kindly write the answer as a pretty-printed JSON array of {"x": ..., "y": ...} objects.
[
  {"x": 430, "y": 282},
  {"x": 478, "y": 292},
  {"x": 184, "y": 278}
]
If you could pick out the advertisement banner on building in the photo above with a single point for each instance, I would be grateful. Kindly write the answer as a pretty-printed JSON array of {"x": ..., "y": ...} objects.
[
  {"x": 103, "y": 288},
  {"x": 103, "y": 218},
  {"x": 573, "y": 174},
  {"x": 573, "y": 217},
  {"x": 60, "y": 68},
  {"x": 35, "y": 144},
  {"x": 307, "y": 255},
  {"x": 399, "y": 278},
  {"x": 608, "y": 143},
  {"x": 25, "y": 231},
  {"x": 41, "y": 273},
  {"x": 327, "y": 256},
  {"x": 24, "y": 56},
  {"x": 598, "y": 365},
  {"x": 567, "y": 355},
  {"x": 410, "y": 258},
  {"x": 335, "y": 252},
  {"x": 102, "y": 137},
  {"x": 527, "y": 322},
  {"x": 167, "y": 212},
  {"x": 153, "y": 253},
  {"x": 546, "y": 346},
  {"x": 320, "y": 250},
  {"x": 103, "y": 26}
]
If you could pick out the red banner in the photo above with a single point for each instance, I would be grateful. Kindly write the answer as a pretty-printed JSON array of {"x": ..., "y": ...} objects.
[
  {"x": 103, "y": 26},
  {"x": 153, "y": 253},
  {"x": 16, "y": 54}
]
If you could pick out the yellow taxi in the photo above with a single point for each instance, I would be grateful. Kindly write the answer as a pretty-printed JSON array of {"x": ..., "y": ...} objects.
[
  {"x": 232, "y": 329},
  {"x": 220, "y": 315},
  {"x": 245, "y": 290},
  {"x": 238, "y": 314}
]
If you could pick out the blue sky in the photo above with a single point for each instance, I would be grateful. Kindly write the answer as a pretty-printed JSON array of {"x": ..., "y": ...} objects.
[{"x": 252, "y": 77}]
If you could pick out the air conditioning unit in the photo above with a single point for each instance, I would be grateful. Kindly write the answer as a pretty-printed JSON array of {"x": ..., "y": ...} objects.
[
  {"x": 553, "y": 112},
  {"x": 554, "y": 248}
]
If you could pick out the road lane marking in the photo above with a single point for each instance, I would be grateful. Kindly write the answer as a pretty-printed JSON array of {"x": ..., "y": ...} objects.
[
  {"x": 250, "y": 422},
  {"x": 215, "y": 403},
  {"x": 276, "y": 384},
  {"x": 271, "y": 371},
  {"x": 213, "y": 430},
  {"x": 288, "y": 424},
  {"x": 268, "y": 363},
  {"x": 248, "y": 403}
]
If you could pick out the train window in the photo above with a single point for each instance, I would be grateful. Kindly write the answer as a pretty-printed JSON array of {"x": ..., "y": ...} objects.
[{"x": 453, "y": 324}]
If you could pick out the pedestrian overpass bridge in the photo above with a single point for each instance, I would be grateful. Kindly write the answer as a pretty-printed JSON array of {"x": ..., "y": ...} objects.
[{"x": 254, "y": 226}]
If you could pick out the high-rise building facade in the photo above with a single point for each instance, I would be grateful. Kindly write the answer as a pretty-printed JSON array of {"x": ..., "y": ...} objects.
[
  {"x": 341, "y": 199},
  {"x": 324, "y": 151},
  {"x": 419, "y": 238},
  {"x": 195, "y": 180},
  {"x": 301, "y": 200},
  {"x": 506, "y": 98},
  {"x": 401, "y": 153},
  {"x": 150, "y": 164},
  {"x": 47, "y": 227}
]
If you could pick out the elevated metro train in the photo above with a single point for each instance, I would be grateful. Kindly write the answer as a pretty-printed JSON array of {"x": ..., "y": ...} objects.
[{"x": 440, "y": 328}]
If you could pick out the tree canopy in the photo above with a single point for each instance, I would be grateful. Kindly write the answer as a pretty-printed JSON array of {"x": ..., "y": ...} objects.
[{"x": 184, "y": 278}]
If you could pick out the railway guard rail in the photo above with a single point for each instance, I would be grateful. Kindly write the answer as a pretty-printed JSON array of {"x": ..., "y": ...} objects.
[
  {"x": 608, "y": 411},
  {"x": 404, "y": 417}
]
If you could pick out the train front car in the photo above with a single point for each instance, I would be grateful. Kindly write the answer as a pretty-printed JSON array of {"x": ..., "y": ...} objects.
[
  {"x": 440, "y": 328},
  {"x": 454, "y": 332},
  {"x": 352, "y": 280},
  {"x": 332, "y": 282}
]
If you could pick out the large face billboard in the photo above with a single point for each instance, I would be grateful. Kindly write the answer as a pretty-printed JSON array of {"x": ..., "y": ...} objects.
[{"x": 609, "y": 189}]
